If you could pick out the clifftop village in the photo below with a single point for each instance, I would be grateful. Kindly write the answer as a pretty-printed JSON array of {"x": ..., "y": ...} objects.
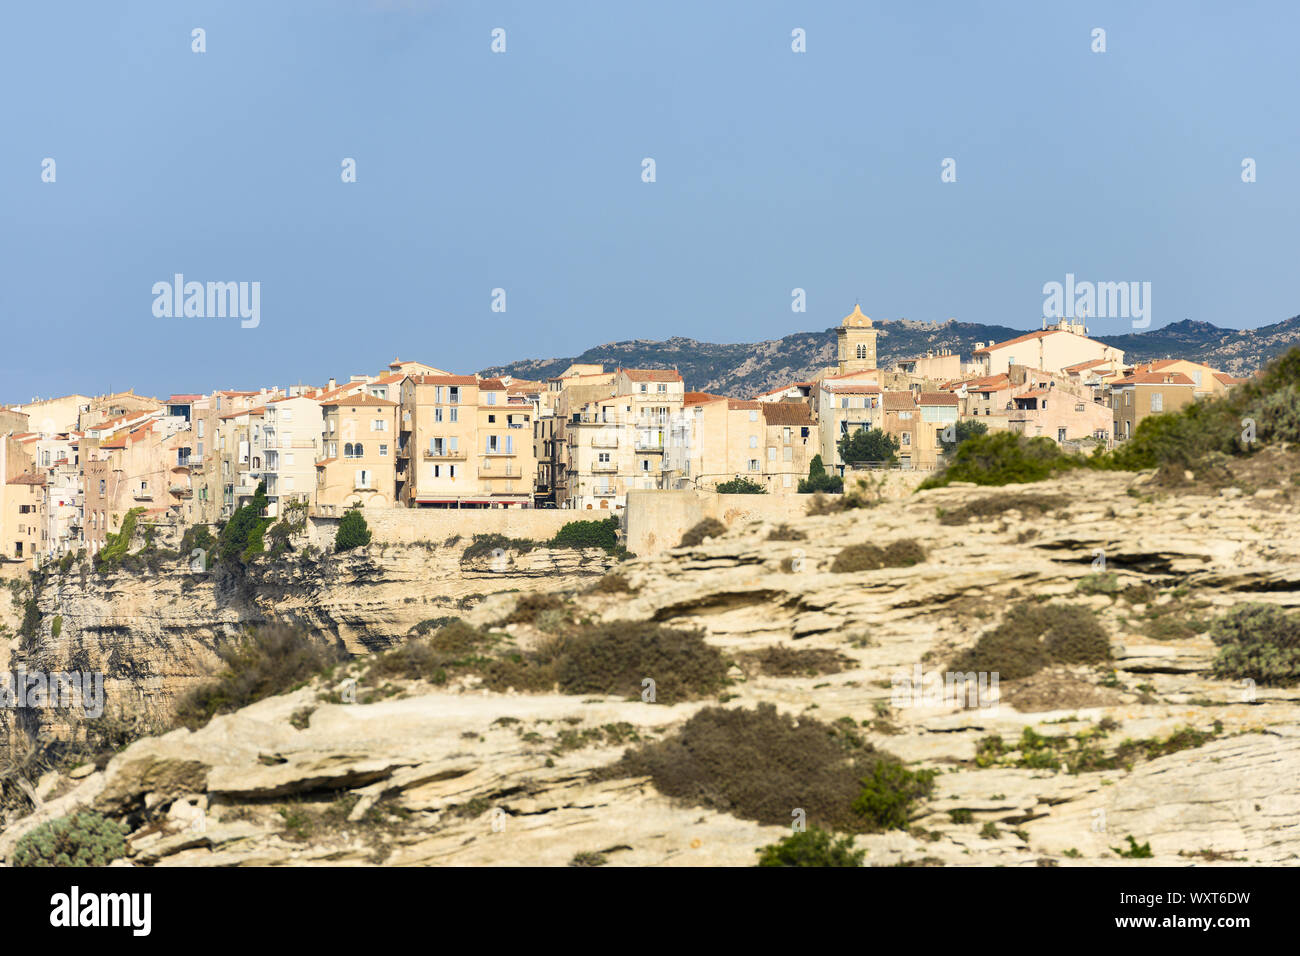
[{"x": 415, "y": 436}]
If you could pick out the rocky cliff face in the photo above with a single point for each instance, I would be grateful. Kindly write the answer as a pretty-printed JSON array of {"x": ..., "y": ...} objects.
[
  {"x": 457, "y": 774},
  {"x": 153, "y": 633}
]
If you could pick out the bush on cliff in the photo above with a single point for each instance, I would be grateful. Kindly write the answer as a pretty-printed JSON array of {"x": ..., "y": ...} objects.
[
  {"x": 353, "y": 531},
  {"x": 244, "y": 530},
  {"x": 80, "y": 839},
  {"x": 268, "y": 660},
  {"x": 762, "y": 764},
  {"x": 740, "y": 486},
  {"x": 819, "y": 480},
  {"x": 588, "y": 534},
  {"x": 1033, "y": 635},
  {"x": 708, "y": 528},
  {"x": 1260, "y": 642},
  {"x": 811, "y": 847},
  {"x": 1003, "y": 458}
]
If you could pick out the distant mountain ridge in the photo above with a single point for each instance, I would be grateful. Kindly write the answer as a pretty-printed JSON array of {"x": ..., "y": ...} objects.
[{"x": 745, "y": 369}]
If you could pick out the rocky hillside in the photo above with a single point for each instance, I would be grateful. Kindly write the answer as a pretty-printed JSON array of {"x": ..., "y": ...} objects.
[
  {"x": 1060, "y": 768},
  {"x": 152, "y": 633},
  {"x": 746, "y": 369}
]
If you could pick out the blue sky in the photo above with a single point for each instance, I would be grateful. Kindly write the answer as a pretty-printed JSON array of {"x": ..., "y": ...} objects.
[{"x": 522, "y": 171}]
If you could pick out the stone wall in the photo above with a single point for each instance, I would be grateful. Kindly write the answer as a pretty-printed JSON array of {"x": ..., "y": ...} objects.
[
  {"x": 656, "y": 520},
  {"x": 436, "y": 525}
]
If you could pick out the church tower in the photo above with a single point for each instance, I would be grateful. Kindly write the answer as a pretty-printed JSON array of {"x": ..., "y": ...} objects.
[{"x": 857, "y": 343}]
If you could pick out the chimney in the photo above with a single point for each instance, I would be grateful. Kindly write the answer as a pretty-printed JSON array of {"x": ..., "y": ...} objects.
[{"x": 331, "y": 386}]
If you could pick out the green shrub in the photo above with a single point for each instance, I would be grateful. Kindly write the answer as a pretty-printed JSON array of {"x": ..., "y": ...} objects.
[
  {"x": 1106, "y": 582},
  {"x": 708, "y": 528},
  {"x": 875, "y": 445},
  {"x": 781, "y": 661},
  {"x": 888, "y": 793},
  {"x": 56, "y": 625},
  {"x": 963, "y": 430},
  {"x": 1260, "y": 642},
  {"x": 1004, "y": 458},
  {"x": 761, "y": 765},
  {"x": 244, "y": 528},
  {"x": 196, "y": 536},
  {"x": 81, "y": 839},
  {"x": 116, "y": 546},
  {"x": 740, "y": 486},
  {"x": 588, "y": 534},
  {"x": 819, "y": 480},
  {"x": 1134, "y": 851},
  {"x": 352, "y": 532},
  {"x": 269, "y": 660},
  {"x": 1031, "y": 636},
  {"x": 811, "y": 847},
  {"x": 487, "y": 544}
]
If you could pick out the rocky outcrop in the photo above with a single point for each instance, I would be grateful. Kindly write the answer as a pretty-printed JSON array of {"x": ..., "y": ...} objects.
[
  {"x": 152, "y": 633},
  {"x": 460, "y": 775}
]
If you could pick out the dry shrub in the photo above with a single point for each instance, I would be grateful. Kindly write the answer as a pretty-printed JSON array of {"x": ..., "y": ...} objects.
[
  {"x": 783, "y": 532},
  {"x": 1033, "y": 635},
  {"x": 615, "y": 582},
  {"x": 614, "y": 658},
  {"x": 869, "y": 557},
  {"x": 761, "y": 764},
  {"x": 990, "y": 506},
  {"x": 708, "y": 528},
  {"x": 529, "y": 606},
  {"x": 268, "y": 661},
  {"x": 781, "y": 661}
]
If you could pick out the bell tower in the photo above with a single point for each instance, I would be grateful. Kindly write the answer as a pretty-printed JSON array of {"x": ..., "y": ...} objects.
[{"x": 857, "y": 343}]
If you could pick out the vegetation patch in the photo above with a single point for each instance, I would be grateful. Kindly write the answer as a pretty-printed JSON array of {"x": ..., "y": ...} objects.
[
  {"x": 819, "y": 479},
  {"x": 1004, "y": 458},
  {"x": 615, "y": 582},
  {"x": 781, "y": 661},
  {"x": 485, "y": 545},
  {"x": 1032, "y": 635},
  {"x": 1084, "y": 751},
  {"x": 352, "y": 532},
  {"x": 81, "y": 839},
  {"x": 761, "y": 765},
  {"x": 708, "y": 528},
  {"x": 811, "y": 847},
  {"x": 992, "y": 506},
  {"x": 869, "y": 557},
  {"x": 740, "y": 486},
  {"x": 1260, "y": 642},
  {"x": 269, "y": 660},
  {"x": 783, "y": 532}
]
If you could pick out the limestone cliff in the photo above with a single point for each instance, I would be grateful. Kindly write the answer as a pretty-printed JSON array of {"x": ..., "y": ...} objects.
[{"x": 457, "y": 774}]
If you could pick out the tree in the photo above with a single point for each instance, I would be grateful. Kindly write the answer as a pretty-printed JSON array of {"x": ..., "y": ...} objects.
[
  {"x": 741, "y": 486},
  {"x": 819, "y": 480},
  {"x": 960, "y": 431},
  {"x": 353, "y": 532},
  {"x": 245, "y": 525},
  {"x": 874, "y": 445}
]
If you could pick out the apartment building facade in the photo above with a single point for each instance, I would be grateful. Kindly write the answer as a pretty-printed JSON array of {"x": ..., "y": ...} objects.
[{"x": 357, "y": 464}]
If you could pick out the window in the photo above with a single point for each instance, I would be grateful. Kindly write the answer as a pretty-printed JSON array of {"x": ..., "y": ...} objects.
[
  {"x": 788, "y": 454},
  {"x": 1157, "y": 402},
  {"x": 753, "y": 464},
  {"x": 664, "y": 387},
  {"x": 363, "y": 478},
  {"x": 453, "y": 443},
  {"x": 437, "y": 415},
  {"x": 753, "y": 441},
  {"x": 645, "y": 464},
  {"x": 904, "y": 416},
  {"x": 753, "y": 414},
  {"x": 785, "y": 436},
  {"x": 332, "y": 423},
  {"x": 771, "y": 454},
  {"x": 451, "y": 471},
  {"x": 379, "y": 424},
  {"x": 644, "y": 387},
  {"x": 603, "y": 457},
  {"x": 906, "y": 438},
  {"x": 436, "y": 471},
  {"x": 452, "y": 416},
  {"x": 489, "y": 398},
  {"x": 383, "y": 452},
  {"x": 492, "y": 419},
  {"x": 453, "y": 397},
  {"x": 347, "y": 450},
  {"x": 491, "y": 447}
]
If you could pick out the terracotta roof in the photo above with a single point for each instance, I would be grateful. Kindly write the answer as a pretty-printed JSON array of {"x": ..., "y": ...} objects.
[
  {"x": 787, "y": 413},
  {"x": 1035, "y": 393},
  {"x": 1227, "y": 379},
  {"x": 361, "y": 399},
  {"x": 742, "y": 405},
  {"x": 325, "y": 461},
  {"x": 652, "y": 374},
  {"x": 444, "y": 379},
  {"x": 492, "y": 385},
  {"x": 1154, "y": 378},
  {"x": 27, "y": 479},
  {"x": 699, "y": 398},
  {"x": 937, "y": 398},
  {"x": 1029, "y": 336},
  {"x": 898, "y": 400},
  {"x": 183, "y": 399},
  {"x": 1081, "y": 366},
  {"x": 856, "y": 390}
]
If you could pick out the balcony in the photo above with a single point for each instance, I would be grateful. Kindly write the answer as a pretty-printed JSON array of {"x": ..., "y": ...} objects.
[
  {"x": 143, "y": 495},
  {"x": 180, "y": 491},
  {"x": 604, "y": 441},
  {"x": 445, "y": 453},
  {"x": 604, "y": 466},
  {"x": 650, "y": 447},
  {"x": 604, "y": 492}
]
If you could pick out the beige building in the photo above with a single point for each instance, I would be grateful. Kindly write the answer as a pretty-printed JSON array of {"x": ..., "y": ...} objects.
[
  {"x": 464, "y": 443},
  {"x": 290, "y": 443},
  {"x": 1050, "y": 349},
  {"x": 1147, "y": 393},
  {"x": 358, "y": 464},
  {"x": 845, "y": 404},
  {"x": 23, "y": 536},
  {"x": 855, "y": 343}
]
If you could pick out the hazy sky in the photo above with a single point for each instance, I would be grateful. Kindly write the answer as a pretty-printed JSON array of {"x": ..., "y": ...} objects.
[{"x": 522, "y": 170}]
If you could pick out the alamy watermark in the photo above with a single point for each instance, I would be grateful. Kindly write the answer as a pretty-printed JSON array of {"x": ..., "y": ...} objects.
[
  {"x": 968, "y": 689},
  {"x": 69, "y": 689},
  {"x": 1102, "y": 300},
  {"x": 213, "y": 300}
]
